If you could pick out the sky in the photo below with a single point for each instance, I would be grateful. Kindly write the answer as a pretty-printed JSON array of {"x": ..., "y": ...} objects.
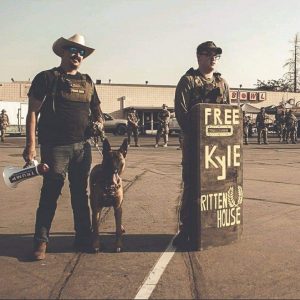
[{"x": 150, "y": 40}]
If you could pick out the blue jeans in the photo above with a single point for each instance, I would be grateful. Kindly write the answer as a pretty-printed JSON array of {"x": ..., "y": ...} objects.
[{"x": 74, "y": 159}]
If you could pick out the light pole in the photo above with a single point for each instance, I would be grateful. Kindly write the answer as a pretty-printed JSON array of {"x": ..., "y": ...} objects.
[{"x": 238, "y": 95}]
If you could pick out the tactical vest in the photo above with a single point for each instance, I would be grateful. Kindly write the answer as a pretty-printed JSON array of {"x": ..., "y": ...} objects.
[
  {"x": 291, "y": 121},
  {"x": 3, "y": 119},
  {"x": 281, "y": 119},
  {"x": 246, "y": 122},
  {"x": 64, "y": 93},
  {"x": 261, "y": 120},
  {"x": 207, "y": 91},
  {"x": 132, "y": 117},
  {"x": 164, "y": 115},
  {"x": 78, "y": 90}
]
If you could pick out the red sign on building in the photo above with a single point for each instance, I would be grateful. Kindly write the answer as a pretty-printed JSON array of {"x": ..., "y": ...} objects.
[
  {"x": 243, "y": 96},
  {"x": 262, "y": 96},
  {"x": 233, "y": 95},
  {"x": 253, "y": 96},
  {"x": 247, "y": 95}
]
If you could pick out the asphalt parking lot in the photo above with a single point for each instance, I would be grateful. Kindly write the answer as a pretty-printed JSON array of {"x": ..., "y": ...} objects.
[{"x": 263, "y": 264}]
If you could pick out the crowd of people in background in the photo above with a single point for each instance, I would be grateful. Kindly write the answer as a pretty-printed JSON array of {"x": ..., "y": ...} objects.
[
  {"x": 163, "y": 118},
  {"x": 285, "y": 126}
]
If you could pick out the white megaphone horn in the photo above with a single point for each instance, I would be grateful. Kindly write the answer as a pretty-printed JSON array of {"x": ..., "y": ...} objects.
[{"x": 14, "y": 175}]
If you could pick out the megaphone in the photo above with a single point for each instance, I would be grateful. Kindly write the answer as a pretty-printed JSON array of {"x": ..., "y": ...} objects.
[{"x": 14, "y": 175}]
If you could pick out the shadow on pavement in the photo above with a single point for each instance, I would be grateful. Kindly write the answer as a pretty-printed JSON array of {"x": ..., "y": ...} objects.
[{"x": 20, "y": 245}]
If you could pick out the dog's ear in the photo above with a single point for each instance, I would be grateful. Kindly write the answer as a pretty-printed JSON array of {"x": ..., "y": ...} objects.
[
  {"x": 106, "y": 146},
  {"x": 124, "y": 147}
]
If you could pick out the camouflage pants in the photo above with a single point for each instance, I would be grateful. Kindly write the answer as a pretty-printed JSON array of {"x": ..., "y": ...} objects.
[
  {"x": 132, "y": 130},
  {"x": 291, "y": 134},
  {"x": 282, "y": 132},
  {"x": 2, "y": 130},
  {"x": 163, "y": 130}
]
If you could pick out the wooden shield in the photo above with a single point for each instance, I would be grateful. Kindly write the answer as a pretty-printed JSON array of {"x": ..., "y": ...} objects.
[{"x": 218, "y": 177}]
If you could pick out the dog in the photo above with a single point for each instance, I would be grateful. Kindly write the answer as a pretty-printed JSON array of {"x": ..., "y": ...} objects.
[{"x": 106, "y": 190}]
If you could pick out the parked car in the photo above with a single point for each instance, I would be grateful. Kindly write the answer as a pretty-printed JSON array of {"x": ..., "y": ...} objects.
[
  {"x": 174, "y": 127},
  {"x": 116, "y": 126}
]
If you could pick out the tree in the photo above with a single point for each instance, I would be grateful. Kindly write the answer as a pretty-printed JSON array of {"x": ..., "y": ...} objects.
[
  {"x": 291, "y": 79},
  {"x": 292, "y": 76},
  {"x": 281, "y": 85}
]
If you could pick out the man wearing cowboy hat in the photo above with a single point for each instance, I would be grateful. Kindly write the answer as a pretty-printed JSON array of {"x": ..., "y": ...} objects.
[
  {"x": 4, "y": 122},
  {"x": 64, "y": 99},
  {"x": 163, "y": 118}
]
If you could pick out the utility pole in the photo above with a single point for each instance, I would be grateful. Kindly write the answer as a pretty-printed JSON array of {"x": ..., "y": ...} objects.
[{"x": 238, "y": 96}]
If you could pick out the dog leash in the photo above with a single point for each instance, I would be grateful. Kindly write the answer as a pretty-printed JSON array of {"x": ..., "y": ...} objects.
[{"x": 97, "y": 146}]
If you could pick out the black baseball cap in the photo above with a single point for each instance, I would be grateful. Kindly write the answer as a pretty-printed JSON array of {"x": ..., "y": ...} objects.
[{"x": 209, "y": 46}]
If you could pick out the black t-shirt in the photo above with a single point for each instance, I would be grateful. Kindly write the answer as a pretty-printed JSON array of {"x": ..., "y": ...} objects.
[{"x": 68, "y": 101}]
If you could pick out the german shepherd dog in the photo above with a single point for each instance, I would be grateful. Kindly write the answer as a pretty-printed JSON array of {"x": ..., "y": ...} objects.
[{"x": 106, "y": 190}]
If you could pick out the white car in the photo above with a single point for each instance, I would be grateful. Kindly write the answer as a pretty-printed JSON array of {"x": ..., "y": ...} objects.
[
  {"x": 174, "y": 127},
  {"x": 116, "y": 126}
]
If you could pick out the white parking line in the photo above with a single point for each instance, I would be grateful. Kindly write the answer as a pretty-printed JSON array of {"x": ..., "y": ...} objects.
[{"x": 152, "y": 279}]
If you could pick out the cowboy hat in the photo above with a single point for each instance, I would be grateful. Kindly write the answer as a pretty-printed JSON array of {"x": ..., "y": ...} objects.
[{"x": 76, "y": 40}]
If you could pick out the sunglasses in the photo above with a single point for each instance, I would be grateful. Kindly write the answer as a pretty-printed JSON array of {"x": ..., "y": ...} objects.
[
  {"x": 74, "y": 50},
  {"x": 216, "y": 56}
]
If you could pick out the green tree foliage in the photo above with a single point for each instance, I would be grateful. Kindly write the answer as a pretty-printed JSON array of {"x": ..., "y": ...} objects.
[{"x": 273, "y": 85}]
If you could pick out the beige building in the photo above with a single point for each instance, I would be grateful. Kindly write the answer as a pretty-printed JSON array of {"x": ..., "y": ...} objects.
[
  {"x": 117, "y": 97},
  {"x": 148, "y": 99}
]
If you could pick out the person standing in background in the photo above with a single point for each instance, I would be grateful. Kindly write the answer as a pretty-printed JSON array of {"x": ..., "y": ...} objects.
[
  {"x": 163, "y": 126},
  {"x": 4, "y": 122}
]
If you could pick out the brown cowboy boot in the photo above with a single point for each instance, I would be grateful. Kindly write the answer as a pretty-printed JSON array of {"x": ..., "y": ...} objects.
[{"x": 40, "y": 250}]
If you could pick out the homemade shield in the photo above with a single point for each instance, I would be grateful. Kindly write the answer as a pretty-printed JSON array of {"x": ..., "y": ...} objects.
[{"x": 218, "y": 173}]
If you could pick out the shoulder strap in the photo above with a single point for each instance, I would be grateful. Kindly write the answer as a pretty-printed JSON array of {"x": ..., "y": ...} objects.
[
  {"x": 54, "y": 86},
  {"x": 87, "y": 78},
  {"x": 220, "y": 82}
]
